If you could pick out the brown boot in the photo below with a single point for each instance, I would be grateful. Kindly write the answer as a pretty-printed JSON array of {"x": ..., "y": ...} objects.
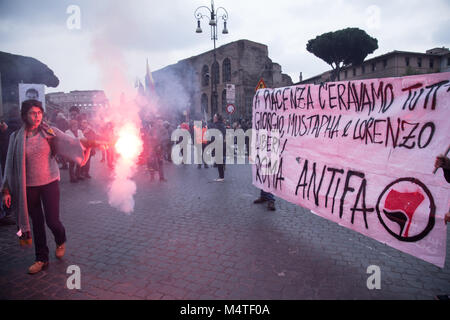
[
  {"x": 60, "y": 250},
  {"x": 37, "y": 267},
  {"x": 26, "y": 242}
]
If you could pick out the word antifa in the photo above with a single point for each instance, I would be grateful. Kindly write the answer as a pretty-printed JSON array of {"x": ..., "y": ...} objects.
[{"x": 311, "y": 181}]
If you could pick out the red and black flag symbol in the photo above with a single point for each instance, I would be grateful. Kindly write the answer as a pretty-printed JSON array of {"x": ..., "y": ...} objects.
[{"x": 400, "y": 208}]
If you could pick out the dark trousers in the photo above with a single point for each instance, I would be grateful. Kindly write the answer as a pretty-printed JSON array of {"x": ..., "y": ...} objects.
[
  {"x": 74, "y": 170},
  {"x": 84, "y": 170},
  {"x": 48, "y": 195},
  {"x": 155, "y": 163},
  {"x": 221, "y": 168}
]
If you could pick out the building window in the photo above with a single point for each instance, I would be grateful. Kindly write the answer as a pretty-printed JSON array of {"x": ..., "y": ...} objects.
[
  {"x": 215, "y": 72},
  {"x": 363, "y": 69},
  {"x": 407, "y": 61},
  {"x": 205, "y": 76},
  {"x": 384, "y": 63},
  {"x": 419, "y": 62},
  {"x": 214, "y": 103},
  {"x": 374, "y": 67},
  {"x": 226, "y": 71},
  {"x": 354, "y": 71},
  {"x": 431, "y": 63},
  {"x": 204, "y": 104},
  {"x": 345, "y": 74}
]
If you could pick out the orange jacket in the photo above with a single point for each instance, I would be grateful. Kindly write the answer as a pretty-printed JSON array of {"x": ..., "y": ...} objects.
[
  {"x": 200, "y": 135},
  {"x": 204, "y": 141}
]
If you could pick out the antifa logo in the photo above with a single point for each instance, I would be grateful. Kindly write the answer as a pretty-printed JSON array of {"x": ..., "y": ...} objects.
[
  {"x": 400, "y": 207},
  {"x": 397, "y": 210}
]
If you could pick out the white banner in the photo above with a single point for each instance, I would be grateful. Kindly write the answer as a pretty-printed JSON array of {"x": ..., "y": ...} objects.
[{"x": 361, "y": 154}]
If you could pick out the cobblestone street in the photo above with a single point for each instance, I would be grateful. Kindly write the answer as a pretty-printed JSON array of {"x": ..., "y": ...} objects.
[{"x": 193, "y": 238}]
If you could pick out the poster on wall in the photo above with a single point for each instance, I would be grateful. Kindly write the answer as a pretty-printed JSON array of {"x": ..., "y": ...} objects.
[
  {"x": 28, "y": 91},
  {"x": 361, "y": 154},
  {"x": 231, "y": 93}
]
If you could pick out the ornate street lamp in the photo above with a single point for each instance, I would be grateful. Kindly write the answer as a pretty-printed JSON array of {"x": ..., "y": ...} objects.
[{"x": 212, "y": 15}]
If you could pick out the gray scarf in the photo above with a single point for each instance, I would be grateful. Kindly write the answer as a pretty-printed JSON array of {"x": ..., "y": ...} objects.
[{"x": 15, "y": 169}]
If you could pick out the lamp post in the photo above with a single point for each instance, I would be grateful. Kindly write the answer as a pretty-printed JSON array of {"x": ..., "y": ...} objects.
[{"x": 212, "y": 15}]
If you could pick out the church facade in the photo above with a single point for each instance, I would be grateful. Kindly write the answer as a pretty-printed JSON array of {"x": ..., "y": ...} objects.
[{"x": 198, "y": 85}]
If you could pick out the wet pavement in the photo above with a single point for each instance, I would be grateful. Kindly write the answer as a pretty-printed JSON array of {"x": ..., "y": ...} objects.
[{"x": 192, "y": 238}]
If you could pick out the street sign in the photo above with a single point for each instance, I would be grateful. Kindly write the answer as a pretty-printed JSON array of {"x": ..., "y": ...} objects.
[
  {"x": 261, "y": 84},
  {"x": 231, "y": 108},
  {"x": 231, "y": 93}
]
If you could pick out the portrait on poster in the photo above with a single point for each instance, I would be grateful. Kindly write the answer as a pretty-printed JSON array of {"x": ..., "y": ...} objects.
[{"x": 30, "y": 91}]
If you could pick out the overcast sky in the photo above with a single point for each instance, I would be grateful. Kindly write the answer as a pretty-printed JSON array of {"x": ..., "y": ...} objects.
[{"x": 164, "y": 32}]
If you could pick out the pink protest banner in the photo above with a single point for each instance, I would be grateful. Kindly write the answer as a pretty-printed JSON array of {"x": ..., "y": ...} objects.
[{"x": 361, "y": 154}]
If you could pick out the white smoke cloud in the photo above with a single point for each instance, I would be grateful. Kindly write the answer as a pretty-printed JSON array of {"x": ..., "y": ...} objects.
[{"x": 124, "y": 114}]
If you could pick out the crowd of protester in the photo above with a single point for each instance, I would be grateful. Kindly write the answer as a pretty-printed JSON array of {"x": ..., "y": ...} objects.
[
  {"x": 155, "y": 134},
  {"x": 30, "y": 175}
]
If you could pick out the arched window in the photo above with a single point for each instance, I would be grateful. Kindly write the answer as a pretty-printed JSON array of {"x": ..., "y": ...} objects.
[
  {"x": 215, "y": 72},
  {"x": 224, "y": 100},
  {"x": 205, "y": 75},
  {"x": 204, "y": 104},
  {"x": 214, "y": 103},
  {"x": 226, "y": 71}
]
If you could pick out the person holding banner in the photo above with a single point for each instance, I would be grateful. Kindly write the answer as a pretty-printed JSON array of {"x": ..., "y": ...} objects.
[
  {"x": 444, "y": 163},
  {"x": 266, "y": 196},
  {"x": 30, "y": 183}
]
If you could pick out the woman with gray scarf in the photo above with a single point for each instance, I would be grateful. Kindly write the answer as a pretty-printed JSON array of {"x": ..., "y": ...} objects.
[{"x": 31, "y": 177}]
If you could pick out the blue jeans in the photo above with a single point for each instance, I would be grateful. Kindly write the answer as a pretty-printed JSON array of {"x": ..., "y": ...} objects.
[{"x": 267, "y": 195}]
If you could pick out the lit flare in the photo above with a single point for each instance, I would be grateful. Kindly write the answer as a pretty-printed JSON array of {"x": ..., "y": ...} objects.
[{"x": 129, "y": 144}]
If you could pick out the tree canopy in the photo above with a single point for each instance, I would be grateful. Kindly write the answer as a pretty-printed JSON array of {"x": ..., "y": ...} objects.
[{"x": 342, "y": 48}]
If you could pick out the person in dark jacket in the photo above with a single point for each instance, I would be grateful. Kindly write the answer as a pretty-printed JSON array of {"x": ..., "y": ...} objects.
[
  {"x": 219, "y": 125},
  {"x": 156, "y": 138},
  {"x": 444, "y": 163}
]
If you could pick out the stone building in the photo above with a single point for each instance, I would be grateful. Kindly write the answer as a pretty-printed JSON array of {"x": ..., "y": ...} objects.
[
  {"x": 187, "y": 85},
  {"x": 87, "y": 100},
  {"x": 392, "y": 64}
]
